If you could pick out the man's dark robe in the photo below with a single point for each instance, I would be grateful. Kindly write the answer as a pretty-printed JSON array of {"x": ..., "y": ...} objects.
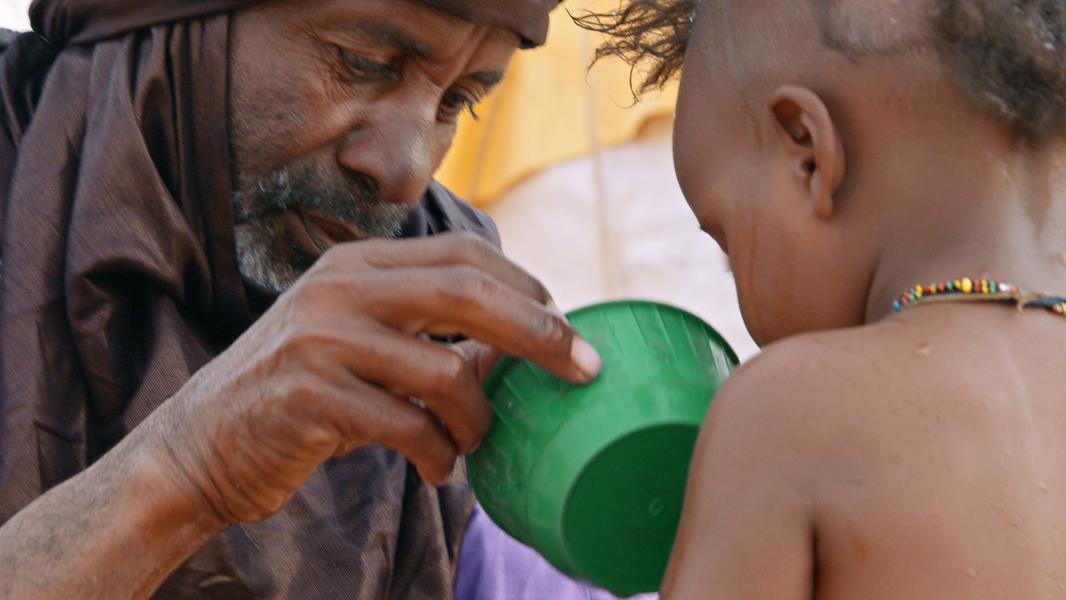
[{"x": 119, "y": 281}]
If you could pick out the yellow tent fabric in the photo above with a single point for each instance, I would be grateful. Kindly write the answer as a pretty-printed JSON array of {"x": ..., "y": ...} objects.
[{"x": 548, "y": 109}]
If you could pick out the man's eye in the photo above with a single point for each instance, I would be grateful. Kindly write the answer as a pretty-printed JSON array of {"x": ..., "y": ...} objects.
[
  {"x": 364, "y": 67},
  {"x": 455, "y": 102}
]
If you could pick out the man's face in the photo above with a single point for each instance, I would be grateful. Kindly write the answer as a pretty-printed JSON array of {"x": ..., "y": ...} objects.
[{"x": 340, "y": 112}]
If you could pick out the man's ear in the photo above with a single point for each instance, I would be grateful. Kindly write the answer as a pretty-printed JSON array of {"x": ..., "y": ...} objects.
[{"x": 810, "y": 138}]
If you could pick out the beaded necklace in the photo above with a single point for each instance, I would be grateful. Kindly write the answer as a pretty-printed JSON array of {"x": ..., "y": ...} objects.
[{"x": 979, "y": 290}]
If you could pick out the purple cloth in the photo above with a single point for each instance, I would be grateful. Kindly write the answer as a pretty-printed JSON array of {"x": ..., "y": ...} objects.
[{"x": 494, "y": 566}]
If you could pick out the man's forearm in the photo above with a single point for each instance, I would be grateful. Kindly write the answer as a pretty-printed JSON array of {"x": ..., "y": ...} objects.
[{"x": 115, "y": 531}]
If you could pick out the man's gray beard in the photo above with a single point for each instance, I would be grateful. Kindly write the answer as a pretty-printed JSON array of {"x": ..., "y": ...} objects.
[{"x": 258, "y": 236}]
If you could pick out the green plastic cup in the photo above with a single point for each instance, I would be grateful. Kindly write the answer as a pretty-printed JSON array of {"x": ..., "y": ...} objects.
[{"x": 593, "y": 477}]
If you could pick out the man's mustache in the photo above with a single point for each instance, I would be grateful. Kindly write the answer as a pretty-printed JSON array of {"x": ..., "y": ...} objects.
[{"x": 281, "y": 191}]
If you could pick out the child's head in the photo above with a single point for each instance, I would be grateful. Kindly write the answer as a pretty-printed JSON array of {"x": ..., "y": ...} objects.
[{"x": 813, "y": 137}]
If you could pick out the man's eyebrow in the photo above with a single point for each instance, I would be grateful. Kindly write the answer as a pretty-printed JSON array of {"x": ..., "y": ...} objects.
[
  {"x": 486, "y": 78},
  {"x": 393, "y": 36}
]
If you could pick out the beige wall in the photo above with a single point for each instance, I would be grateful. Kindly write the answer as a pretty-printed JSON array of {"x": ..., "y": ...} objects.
[{"x": 13, "y": 14}]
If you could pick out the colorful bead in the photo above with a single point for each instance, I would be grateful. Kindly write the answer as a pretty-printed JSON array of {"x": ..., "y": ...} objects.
[{"x": 977, "y": 285}]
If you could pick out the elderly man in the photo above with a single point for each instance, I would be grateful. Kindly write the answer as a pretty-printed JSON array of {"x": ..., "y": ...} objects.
[{"x": 209, "y": 342}]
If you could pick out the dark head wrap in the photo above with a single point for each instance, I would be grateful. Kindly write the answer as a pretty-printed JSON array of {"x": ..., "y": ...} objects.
[
  {"x": 119, "y": 281},
  {"x": 527, "y": 18},
  {"x": 84, "y": 21}
]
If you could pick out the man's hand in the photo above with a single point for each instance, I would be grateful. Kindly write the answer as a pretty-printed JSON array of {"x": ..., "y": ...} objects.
[{"x": 335, "y": 364}]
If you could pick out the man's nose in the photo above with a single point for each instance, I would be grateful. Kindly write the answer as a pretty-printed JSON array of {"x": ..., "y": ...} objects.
[{"x": 396, "y": 150}]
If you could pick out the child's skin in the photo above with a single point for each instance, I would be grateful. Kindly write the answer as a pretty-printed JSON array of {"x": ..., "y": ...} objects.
[{"x": 911, "y": 456}]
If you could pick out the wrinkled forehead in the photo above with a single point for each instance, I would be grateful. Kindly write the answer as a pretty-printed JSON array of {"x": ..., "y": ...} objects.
[{"x": 409, "y": 26}]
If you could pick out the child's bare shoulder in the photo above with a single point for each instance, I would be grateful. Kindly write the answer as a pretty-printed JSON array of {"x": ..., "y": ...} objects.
[
  {"x": 811, "y": 373},
  {"x": 788, "y": 430},
  {"x": 819, "y": 434},
  {"x": 818, "y": 394}
]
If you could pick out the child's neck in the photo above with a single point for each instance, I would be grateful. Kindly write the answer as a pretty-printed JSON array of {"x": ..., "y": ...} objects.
[{"x": 1004, "y": 221}]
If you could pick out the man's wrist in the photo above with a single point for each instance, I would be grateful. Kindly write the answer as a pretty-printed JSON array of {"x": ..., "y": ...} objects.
[
  {"x": 159, "y": 515},
  {"x": 173, "y": 502}
]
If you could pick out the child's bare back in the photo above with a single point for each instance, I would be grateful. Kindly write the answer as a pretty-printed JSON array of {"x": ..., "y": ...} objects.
[
  {"x": 841, "y": 152},
  {"x": 917, "y": 458}
]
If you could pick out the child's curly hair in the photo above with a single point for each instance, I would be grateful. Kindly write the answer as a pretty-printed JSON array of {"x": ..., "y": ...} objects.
[
  {"x": 651, "y": 33},
  {"x": 1009, "y": 56}
]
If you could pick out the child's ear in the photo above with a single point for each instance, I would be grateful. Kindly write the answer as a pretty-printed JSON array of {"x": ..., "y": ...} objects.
[{"x": 810, "y": 137}]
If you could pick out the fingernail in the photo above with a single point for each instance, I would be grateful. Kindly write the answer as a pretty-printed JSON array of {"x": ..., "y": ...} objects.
[{"x": 586, "y": 358}]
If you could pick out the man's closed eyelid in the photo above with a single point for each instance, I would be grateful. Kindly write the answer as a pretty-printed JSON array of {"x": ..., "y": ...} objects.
[
  {"x": 489, "y": 78},
  {"x": 359, "y": 62}
]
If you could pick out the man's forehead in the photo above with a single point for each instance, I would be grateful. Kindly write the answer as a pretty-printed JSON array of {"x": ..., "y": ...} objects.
[
  {"x": 525, "y": 19},
  {"x": 428, "y": 41}
]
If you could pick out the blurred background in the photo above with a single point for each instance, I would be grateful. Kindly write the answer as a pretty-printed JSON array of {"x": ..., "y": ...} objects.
[
  {"x": 13, "y": 14},
  {"x": 580, "y": 180}
]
